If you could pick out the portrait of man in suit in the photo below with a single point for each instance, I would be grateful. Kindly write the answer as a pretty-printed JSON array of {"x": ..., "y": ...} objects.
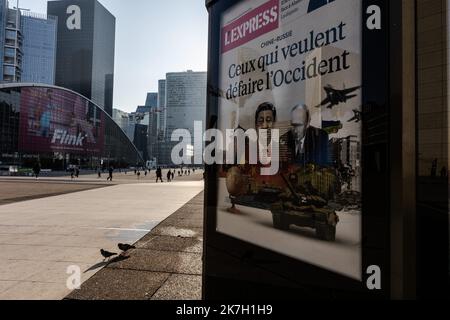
[
  {"x": 316, "y": 4},
  {"x": 306, "y": 144}
]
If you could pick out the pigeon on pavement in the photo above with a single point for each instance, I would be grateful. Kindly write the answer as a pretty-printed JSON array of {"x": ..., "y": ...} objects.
[
  {"x": 125, "y": 247},
  {"x": 107, "y": 254}
]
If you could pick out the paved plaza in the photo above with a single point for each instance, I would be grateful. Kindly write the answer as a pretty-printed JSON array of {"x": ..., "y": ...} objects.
[
  {"x": 42, "y": 237},
  {"x": 166, "y": 264}
]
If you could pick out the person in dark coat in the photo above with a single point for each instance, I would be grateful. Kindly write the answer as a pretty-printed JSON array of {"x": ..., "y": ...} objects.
[
  {"x": 37, "y": 169},
  {"x": 111, "y": 171},
  {"x": 305, "y": 144},
  {"x": 169, "y": 176},
  {"x": 159, "y": 175}
]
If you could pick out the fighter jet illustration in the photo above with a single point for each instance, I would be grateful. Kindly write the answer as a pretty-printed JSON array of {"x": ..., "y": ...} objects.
[
  {"x": 336, "y": 97},
  {"x": 357, "y": 116}
]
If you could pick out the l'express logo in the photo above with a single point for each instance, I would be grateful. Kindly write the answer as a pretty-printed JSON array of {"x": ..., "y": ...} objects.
[
  {"x": 250, "y": 26},
  {"x": 73, "y": 22}
]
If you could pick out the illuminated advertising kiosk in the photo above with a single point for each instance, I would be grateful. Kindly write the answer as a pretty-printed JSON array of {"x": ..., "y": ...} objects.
[{"x": 313, "y": 195}]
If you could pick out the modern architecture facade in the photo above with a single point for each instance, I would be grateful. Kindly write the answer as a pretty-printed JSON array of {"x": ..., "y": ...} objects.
[
  {"x": 153, "y": 141},
  {"x": 152, "y": 99},
  {"x": 57, "y": 128},
  {"x": 11, "y": 44},
  {"x": 3, "y": 8},
  {"x": 125, "y": 121},
  {"x": 120, "y": 117},
  {"x": 85, "y": 49},
  {"x": 27, "y": 46},
  {"x": 185, "y": 103},
  {"x": 39, "y": 48},
  {"x": 162, "y": 119},
  {"x": 136, "y": 126}
]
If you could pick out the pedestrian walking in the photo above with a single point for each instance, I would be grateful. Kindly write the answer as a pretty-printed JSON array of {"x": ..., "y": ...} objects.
[
  {"x": 111, "y": 171},
  {"x": 99, "y": 172},
  {"x": 169, "y": 176},
  {"x": 159, "y": 175},
  {"x": 77, "y": 172},
  {"x": 173, "y": 175},
  {"x": 37, "y": 170}
]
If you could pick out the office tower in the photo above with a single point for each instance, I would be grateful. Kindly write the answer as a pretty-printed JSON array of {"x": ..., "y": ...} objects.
[
  {"x": 11, "y": 41},
  {"x": 85, "y": 49},
  {"x": 39, "y": 48},
  {"x": 153, "y": 141},
  {"x": 121, "y": 118},
  {"x": 3, "y": 6},
  {"x": 185, "y": 104},
  {"x": 162, "y": 118},
  {"x": 27, "y": 46},
  {"x": 152, "y": 99}
]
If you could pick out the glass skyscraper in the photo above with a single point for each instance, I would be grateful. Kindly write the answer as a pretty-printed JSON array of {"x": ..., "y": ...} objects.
[
  {"x": 152, "y": 99},
  {"x": 27, "y": 46},
  {"x": 3, "y": 7},
  {"x": 39, "y": 48},
  {"x": 11, "y": 44},
  {"x": 185, "y": 104},
  {"x": 162, "y": 118},
  {"x": 85, "y": 49}
]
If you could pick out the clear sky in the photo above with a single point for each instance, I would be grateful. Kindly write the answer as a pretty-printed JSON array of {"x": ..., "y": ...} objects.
[{"x": 153, "y": 37}]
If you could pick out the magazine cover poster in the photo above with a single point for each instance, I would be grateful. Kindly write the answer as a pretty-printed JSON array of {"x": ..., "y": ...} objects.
[{"x": 294, "y": 67}]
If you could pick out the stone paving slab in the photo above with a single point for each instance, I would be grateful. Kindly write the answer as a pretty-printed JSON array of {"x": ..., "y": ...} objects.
[
  {"x": 180, "y": 287},
  {"x": 172, "y": 231},
  {"x": 113, "y": 284},
  {"x": 159, "y": 243},
  {"x": 166, "y": 264},
  {"x": 161, "y": 261}
]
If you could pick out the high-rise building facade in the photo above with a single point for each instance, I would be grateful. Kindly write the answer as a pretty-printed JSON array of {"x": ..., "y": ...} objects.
[
  {"x": 121, "y": 118},
  {"x": 39, "y": 48},
  {"x": 3, "y": 7},
  {"x": 152, "y": 99},
  {"x": 85, "y": 49},
  {"x": 27, "y": 46},
  {"x": 153, "y": 141},
  {"x": 11, "y": 44},
  {"x": 185, "y": 104},
  {"x": 162, "y": 111}
]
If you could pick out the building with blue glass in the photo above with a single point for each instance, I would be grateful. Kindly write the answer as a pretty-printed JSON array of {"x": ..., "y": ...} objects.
[{"x": 39, "y": 47}]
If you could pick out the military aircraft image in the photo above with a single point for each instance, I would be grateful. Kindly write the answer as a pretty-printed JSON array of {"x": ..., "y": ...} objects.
[
  {"x": 336, "y": 97},
  {"x": 357, "y": 116}
]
